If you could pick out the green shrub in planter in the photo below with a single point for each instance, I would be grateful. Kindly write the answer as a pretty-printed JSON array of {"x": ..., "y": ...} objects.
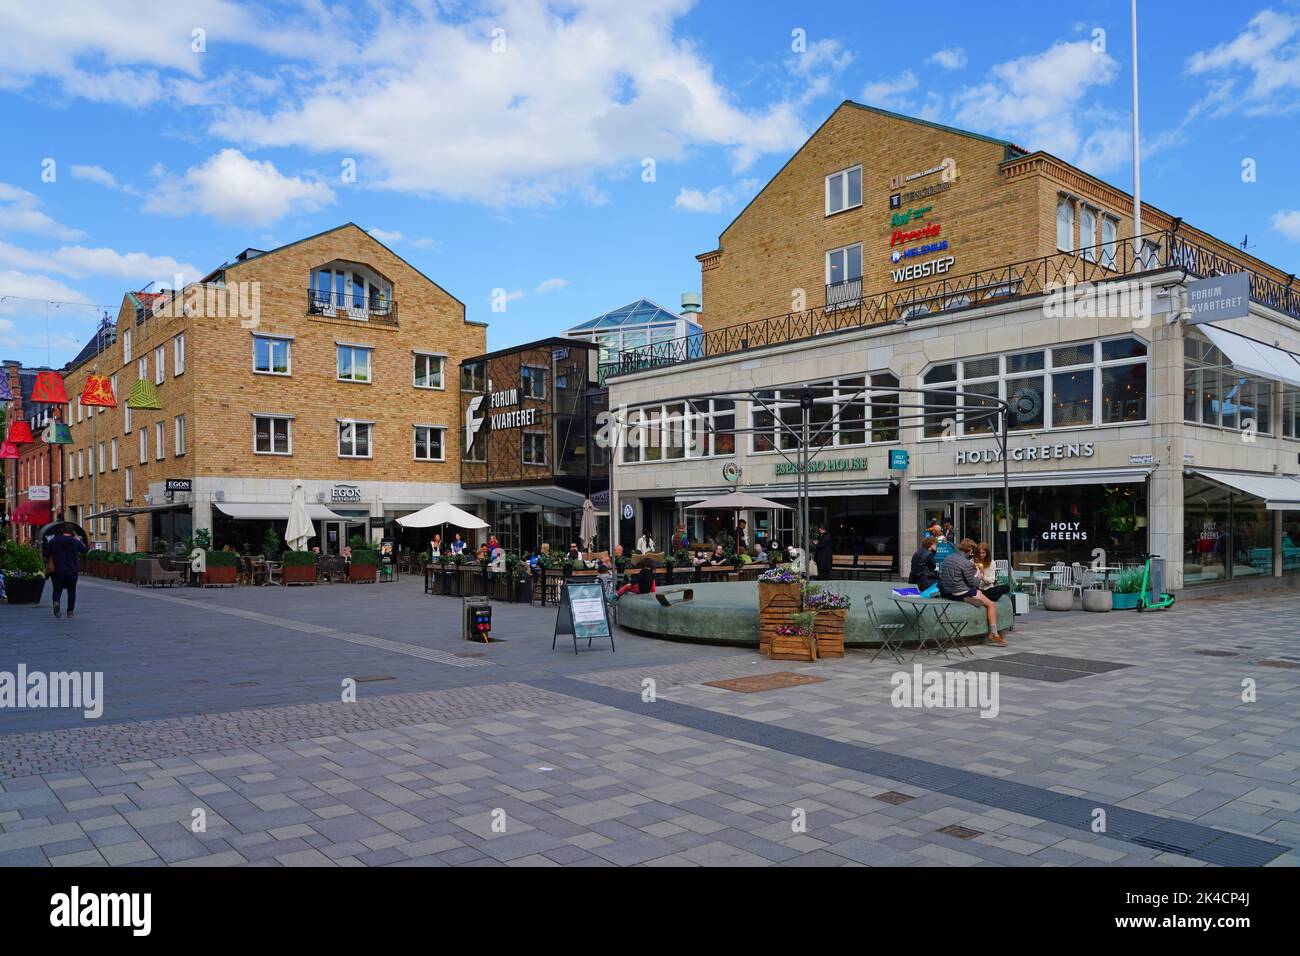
[
  {"x": 24, "y": 573},
  {"x": 366, "y": 556},
  {"x": 301, "y": 559},
  {"x": 1127, "y": 590},
  {"x": 220, "y": 559}
]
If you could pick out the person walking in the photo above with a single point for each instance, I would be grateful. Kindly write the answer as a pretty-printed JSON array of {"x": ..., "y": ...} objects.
[
  {"x": 959, "y": 581},
  {"x": 62, "y": 551}
]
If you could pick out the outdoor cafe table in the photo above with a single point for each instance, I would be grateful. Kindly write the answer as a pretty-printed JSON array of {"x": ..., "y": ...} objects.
[{"x": 913, "y": 609}]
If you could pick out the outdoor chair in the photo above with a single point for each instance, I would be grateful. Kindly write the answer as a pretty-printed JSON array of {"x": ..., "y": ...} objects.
[
  {"x": 151, "y": 572},
  {"x": 1081, "y": 579},
  {"x": 891, "y": 634}
]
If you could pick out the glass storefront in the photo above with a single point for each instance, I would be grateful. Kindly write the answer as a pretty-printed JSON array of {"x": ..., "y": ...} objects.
[
  {"x": 1291, "y": 542},
  {"x": 1229, "y": 534}
]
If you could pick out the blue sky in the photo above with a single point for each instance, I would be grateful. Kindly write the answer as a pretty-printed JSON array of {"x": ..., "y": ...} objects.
[{"x": 505, "y": 145}]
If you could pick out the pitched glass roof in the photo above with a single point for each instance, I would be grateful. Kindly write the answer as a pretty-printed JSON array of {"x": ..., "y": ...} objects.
[{"x": 640, "y": 312}]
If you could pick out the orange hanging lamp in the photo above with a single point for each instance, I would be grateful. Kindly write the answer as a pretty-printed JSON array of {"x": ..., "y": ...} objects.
[{"x": 99, "y": 391}]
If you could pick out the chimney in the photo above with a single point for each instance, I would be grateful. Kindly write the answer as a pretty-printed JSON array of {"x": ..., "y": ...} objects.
[{"x": 690, "y": 303}]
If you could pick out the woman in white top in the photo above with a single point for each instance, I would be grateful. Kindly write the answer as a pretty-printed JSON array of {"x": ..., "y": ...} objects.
[{"x": 645, "y": 543}]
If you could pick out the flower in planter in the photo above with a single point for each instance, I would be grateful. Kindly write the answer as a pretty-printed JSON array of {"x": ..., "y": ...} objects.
[
  {"x": 827, "y": 601},
  {"x": 781, "y": 574}
]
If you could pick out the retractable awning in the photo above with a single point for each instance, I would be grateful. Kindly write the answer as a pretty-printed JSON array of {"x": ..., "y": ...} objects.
[
  {"x": 31, "y": 512},
  {"x": 545, "y": 496},
  {"x": 274, "y": 511},
  {"x": 816, "y": 489},
  {"x": 1255, "y": 357},
  {"x": 1034, "y": 479},
  {"x": 1280, "y": 492}
]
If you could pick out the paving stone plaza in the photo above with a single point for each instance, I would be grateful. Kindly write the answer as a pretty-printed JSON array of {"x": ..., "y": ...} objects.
[{"x": 225, "y": 707}]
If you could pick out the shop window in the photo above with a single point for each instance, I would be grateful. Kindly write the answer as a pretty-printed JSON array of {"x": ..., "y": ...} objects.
[
  {"x": 1124, "y": 393},
  {"x": 764, "y": 422},
  {"x": 843, "y": 190},
  {"x": 1227, "y": 534},
  {"x": 1290, "y": 412},
  {"x": 980, "y": 417},
  {"x": 724, "y": 426},
  {"x": 884, "y": 407},
  {"x": 429, "y": 443},
  {"x": 428, "y": 370},
  {"x": 852, "y": 423},
  {"x": 1290, "y": 542},
  {"x": 1072, "y": 398},
  {"x": 675, "y": 431},
  {"x": 354, "y": 439},
  {"x": 272, "y": 435},
  {"x": 1216, "y": 394},
  {"x": 1025, "y": 396}
]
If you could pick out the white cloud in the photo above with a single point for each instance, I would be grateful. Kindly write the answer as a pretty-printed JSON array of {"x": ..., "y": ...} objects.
[
  {"x": 80, "y": 261},
  {"x": 889, "y": 93},
  {"x": 391, "y": 237},
  {"x": 20, "y": 212},
  {"x": 952, "y": 58},
  {"x": 1038, "y": 100},
  {"x": 581, "y": 90},
  {"x": 717, "y": 199},
  {"x": 551, "y": 285},
  {"x": 1287, "y": 222},
  {"x": 102, "y": 177},
  {"x": 232, "y": 188},
  {"x": 386, "y": 237},
  {"x": 1257, "y": 71},
  {"x": 826, "y": 54},
  {"x": 25, "y": 335}
]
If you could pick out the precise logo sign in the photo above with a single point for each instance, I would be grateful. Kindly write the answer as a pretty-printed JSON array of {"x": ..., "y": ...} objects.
[{"x": 901, "y": 236}]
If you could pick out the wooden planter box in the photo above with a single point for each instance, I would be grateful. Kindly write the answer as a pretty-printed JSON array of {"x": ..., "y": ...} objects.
[
  {"x": 792, "y": 648},
  {"x": 362, "y": 573},
  {"x": 830, "y": 632},
  {"x": 776, "y": 602},
  {"x": 299, "y": 573},
  {"x": 221, "y": 575}
]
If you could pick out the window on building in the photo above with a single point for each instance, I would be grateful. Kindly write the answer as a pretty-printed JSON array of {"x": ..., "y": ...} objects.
[
  {"x": 72, "y": 465},
  {"x": 271, "y": 355},
  {"x": 533, "y": 381},
  {"x": 126, "y": 346},
  {"x": 844, "y": 276},
  {"x": 843, "y": 190},
  {"x": 1291, "y": 414},
  {"x": 351, "y": 290},
  {"x": 178, "y": 355},
  {"x": 128, "y": 485},
  {"x": 144, "y": 445},
  {"x": 81, "y": 463},
  {"x": 473, "y": 377},
  {"x": 1065, "y": 224},
  {"x": 1109, "y": 243},
  {"x": 354, "y": 439},
  {"x": 272, "y": 435},
  {"x": 112, "y": 454},
  {"x": 534, "y": 448},
  {"x": 1088, "y": 233},
  {"x": 428, "y": 443},
  {"x": 101, "y": 458},
  {"x": 477, "y": 452},
  {"x": 428, "y": 370},
  {"x": 126, "y": 418},
  {"x": 159, "y": 364},
  {"x": 353, "y": 363},
  {"x": 180, "y": 435},
  {"x": 160, "y": 441},
  {"x": 1216, "y": 394},
  {"x": 142, "y": 367}
]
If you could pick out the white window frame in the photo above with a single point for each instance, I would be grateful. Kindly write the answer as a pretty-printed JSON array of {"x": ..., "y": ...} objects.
[
  {"x": 1088, "y": 232},
  {"x": 142, "y": 367},
  {"x": 128, "y": 484},
  {"x": 72, "y": 465},
  {"x": 126, "y": 419},
  {"x": 354, "y": 348},
  {"x": 287, "y": 341},
  {"x": 144, "y": 444},
  {"x": 442, "y": 442},
  {"x": 1065, "y": 204},
  {"x": 178, "y": 355},
  {"x": 100, "y": 457},
  {"x": 81, "y": 463},
  {"x": 179, "y": 436},
  {"x": 112, "y": 455},
  {"x": 159, "y": 441},
  {"x": 160, "y": 365},
  {"x": 357, "y": 423},
  {"x": 441, "y": 357},
  {"x": 288, "y": 434},
  {"x": 126, "y": 346},
  {"x": 843, "y": 187}
]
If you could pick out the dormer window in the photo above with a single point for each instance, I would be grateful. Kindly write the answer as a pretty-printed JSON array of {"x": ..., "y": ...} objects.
[{"x": 350, "y": 290}]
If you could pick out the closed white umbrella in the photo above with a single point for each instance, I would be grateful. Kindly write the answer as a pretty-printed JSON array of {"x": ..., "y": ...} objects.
[
  {"x": 439, "y": 514},
  {"x": 587, "y": 529},
  {"x": 300, "y": 529}
]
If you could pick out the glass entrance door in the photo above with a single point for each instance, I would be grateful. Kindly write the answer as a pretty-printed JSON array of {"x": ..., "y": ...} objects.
[{"x": 973, "y": 522}]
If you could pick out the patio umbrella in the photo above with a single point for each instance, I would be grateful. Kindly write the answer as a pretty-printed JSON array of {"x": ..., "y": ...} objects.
[
  {"x": 737, "y": 501},
  {"x": 439, "y": 514},
  {"x": 587, "y": 529},
  {"x": 300, "y": 529}
]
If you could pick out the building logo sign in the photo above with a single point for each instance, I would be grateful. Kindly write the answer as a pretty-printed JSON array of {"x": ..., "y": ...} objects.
[
  {"x": 345, "y": 494},
  {"x": 948, "y": 168},
  {"x": 178, "y": 484},
  {"x": 514, "y": 417},
  {"x": 923, "y": 270},
  {"x": 929, "y": 249},
  {"x": 1064, "y": 531},
  {"x": 38, "y": 493},
  {"x": 902, "y": 236},
  {"x": 822, "y": 466},
  {"x": 992, "y": 456},
  {"x": 473, "y": 421},
  {"x": 913, "y": 213}
]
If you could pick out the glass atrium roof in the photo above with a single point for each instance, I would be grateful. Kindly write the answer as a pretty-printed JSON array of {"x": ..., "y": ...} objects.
[{"x": 640, "y": 312}]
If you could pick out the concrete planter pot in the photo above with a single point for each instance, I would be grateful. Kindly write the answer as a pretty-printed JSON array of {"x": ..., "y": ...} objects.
[
  {"x": 1097, "y": 599},
  {"x": 1058, "y": 600},
  {"x": 24, "y": 590}
]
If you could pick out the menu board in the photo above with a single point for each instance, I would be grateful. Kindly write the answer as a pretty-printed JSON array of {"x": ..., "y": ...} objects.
[{"x": 582, "y": 614}]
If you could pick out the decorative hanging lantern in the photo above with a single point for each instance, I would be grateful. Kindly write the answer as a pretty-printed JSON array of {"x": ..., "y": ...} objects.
[
  {"x": 49, "y": 389},
  {"x": 57, "y": 433},
  {"x": 99, "y": 391},
  {"x": 20, "y": 433},
  {"x": 8, "y": 450},
  {"x": 6, "y": 393},
  {"x": 143, "y": 395}
]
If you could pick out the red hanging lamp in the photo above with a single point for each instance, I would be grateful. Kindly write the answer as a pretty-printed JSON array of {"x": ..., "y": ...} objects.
[
  {"x": 20, "y": 433},
  {"x": 49, "y": 390},
  {"x": 9, "y": 450},
  {"x": 99, "y": 391}
]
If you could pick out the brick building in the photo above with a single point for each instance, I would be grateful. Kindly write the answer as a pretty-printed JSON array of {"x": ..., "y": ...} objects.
[
  {"x": 330, "y": 360},
  {"x": 33, "y": 492},
  {"x": 1006, "y": 288}
]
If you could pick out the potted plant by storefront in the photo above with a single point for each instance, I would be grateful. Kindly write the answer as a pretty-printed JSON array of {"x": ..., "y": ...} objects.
[
  {"x": 779, "y": 596},
  {"x": 24, "y": 573},
  {"x": 1128, "y": 587},
  {"x": 444, "y": 572},
  {"x": 832, "y": 610},
  {"x": 1097, "y": 599},
  {"x": 364, "y": 567},
  {"x": 1058, "y": 597},
  {"x": 796, "y": 641},
  {"x": 299, "y": 567},
  {"x": 219, "y": 568},
  {"x": 517, "y": 571}
]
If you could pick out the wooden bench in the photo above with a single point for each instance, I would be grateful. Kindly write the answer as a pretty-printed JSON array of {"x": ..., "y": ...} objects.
[{"x": 878, "y": 566}]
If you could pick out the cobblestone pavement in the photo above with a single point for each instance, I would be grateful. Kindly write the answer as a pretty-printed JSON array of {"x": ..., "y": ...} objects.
[{"x": 223, "y": 707}]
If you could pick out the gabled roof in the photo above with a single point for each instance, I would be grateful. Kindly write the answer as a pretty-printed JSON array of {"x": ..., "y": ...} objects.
[
  {"x": 105, "y": 335},
  {"x": 640, "y": 312}
]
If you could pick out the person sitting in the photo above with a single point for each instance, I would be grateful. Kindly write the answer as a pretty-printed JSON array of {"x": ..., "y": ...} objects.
[
  {"x": 758, "y": 554},
  {"x": 645, "y": 579},
  {"x": 718, "y": 557},
  {"x": 988, "y": 574},
  {"x": 435, "y": 548},
  {"x": 959, "y": 581},
  {"x": 574, "y": 554},
  {"x": 925, "y": 571},
  {"x": 457, "y": 545},
  {"x": 700, "y": 558},
  {"x": 646, "y": 542}
]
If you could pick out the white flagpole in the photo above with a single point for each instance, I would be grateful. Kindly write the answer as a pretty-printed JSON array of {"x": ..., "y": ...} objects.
[{"x": 1137, "y": 159}]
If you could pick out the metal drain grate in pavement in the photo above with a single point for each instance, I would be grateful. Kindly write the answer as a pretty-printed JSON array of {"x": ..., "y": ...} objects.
[
  {"x": 1145, "y": 829},
  {"x": 761, "y": 682},
  {"x": 893, "y": 797},
  {"x": 961, "y": 833},
  {"x": 370, "y": 678}
]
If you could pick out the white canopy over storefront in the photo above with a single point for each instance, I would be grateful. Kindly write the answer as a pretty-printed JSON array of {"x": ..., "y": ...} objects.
[
  {"x": 1279, "y": 492},
  {"x": 273, "y": 511},
  {"x": 441, "y": 513},
  {"x": 1255, "y": 357}
]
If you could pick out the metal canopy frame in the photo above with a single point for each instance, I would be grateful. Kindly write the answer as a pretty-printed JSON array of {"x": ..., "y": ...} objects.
[{"x": 974, "y": 406}]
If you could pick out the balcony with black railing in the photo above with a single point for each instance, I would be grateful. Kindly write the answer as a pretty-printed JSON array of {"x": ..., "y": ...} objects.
[
  {"x": 378, "y": 310},
  {"x": 848, "y": 308}
]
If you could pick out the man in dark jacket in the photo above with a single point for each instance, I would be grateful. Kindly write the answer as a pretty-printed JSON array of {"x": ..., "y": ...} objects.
[
  {"x": 63, "y": 550},
  {"x": 925, "y": 573},
  {"x": 824, "y": 553}
]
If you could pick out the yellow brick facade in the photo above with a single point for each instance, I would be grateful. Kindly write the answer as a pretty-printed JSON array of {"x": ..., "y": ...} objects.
[{"x": 219, "y": 392}]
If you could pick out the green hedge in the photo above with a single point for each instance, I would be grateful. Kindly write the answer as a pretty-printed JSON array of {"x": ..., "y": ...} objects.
[
  {"x": 221, "y": 559},
  {"x": 365, "y": 556},
  {"x": 299, "y": 559}
]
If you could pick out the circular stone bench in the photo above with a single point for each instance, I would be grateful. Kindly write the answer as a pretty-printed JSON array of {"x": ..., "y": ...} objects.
[{"x": 727, "y": 613}]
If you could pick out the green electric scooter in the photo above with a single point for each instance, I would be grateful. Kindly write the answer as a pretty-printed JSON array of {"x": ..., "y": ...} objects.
[{"x": 1152, "y": 597}]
